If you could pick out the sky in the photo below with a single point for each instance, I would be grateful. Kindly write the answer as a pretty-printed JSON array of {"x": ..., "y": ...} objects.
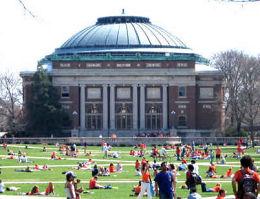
[{"x": 206, "y": 26}]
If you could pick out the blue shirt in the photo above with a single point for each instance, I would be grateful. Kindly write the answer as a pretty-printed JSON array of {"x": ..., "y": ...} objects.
[{"x": 164, "y": 181}]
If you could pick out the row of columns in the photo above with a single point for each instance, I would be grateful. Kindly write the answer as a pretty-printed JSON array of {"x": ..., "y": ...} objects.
[{"x": 112, "y": 107}]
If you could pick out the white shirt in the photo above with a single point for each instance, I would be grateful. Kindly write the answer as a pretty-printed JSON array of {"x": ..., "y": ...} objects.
[
  {"x": 2, "y": 188},
  {"x": 194, "y": 196},
  {"x": 196, "y": 168}
]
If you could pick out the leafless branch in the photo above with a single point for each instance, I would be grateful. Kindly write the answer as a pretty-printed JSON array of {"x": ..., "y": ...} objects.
[{"x": 26, "y": 9}]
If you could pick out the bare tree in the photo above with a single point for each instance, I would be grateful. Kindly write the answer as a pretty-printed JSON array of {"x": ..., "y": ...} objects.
[
  {"x": 10, "y": 102},
  {"x": 231, "y": 63},
  {"x": 251, "y": 92}
]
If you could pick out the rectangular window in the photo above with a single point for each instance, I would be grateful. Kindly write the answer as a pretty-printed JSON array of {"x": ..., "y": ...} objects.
[
  {"x": 65, "y": 91},
  {"x": 206, "y": 92},
  {"x": 182, "y": 91}
]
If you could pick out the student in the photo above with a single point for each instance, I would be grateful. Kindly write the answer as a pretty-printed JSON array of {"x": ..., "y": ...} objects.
[
  {"x": 50, "y": 189},
  {"x": 137, "y": 189},
  {"x": 94, "y": 171},
  {"x": 221, "y": 194},
  {"x": 78, "y": 190},
  {"x": 218, "y": 154},
  {"x": 216, "y": 188},
  {"x": 69, "y": 185},
  {"x": 166, "y": 182},
  {"x": 193, "y": 194},
  {"x": 35, "y": 191},
  {"x": 146, "y": 180},
  {"x": 245, "y": 180},
  {"x": 2, "y": 187},
  {"x": 93, "y": 183}
]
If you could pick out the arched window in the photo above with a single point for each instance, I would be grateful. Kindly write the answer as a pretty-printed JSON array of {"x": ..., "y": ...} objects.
[
  {"x": 94, "y": 116},
  {"x": 182, "y": 121},
  {"x": 124, "y": 116},
  {"x": 153, "y": 117}
]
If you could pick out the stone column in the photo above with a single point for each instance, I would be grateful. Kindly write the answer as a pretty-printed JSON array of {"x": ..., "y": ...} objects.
[
  {"x": 112, "y": 107},
  {"x": 135, "y": 107},
  {"x": 82, "y": 107},
  {"x": 105, "y": 108},
  {"x": 165, "y": 107},
  {"x": 142, "y": 107}
]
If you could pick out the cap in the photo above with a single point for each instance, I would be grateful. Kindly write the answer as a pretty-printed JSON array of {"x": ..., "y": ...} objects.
[{"x": 70, "y": 174}]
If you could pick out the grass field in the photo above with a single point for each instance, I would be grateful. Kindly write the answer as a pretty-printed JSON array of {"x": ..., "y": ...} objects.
[{"x": 122, "y": 183}]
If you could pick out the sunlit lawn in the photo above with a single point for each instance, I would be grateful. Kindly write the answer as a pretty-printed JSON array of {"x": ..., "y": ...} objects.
[{"x": 120, "y": 189}]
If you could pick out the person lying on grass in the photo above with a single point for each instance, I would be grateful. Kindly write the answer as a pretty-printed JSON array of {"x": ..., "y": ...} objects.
[{"x": 36, "y": 190}]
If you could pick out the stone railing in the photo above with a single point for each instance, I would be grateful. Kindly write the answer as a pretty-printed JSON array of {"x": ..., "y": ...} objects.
[
  {"x": 120, "y": 141},
  {"x": 126, "y": 141},
  {"x": 215, "y": 140}
]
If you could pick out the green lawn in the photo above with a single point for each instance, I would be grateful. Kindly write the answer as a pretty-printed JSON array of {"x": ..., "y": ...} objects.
[{"x": 121, "y": 189}]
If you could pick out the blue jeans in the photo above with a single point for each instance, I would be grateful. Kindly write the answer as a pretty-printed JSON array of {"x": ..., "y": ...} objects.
[{"x": 166, "y": 196}]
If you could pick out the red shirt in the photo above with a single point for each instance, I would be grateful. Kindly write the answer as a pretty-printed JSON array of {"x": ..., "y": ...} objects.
[
  {"x": 92, "y": 183},
  {"x": 137, "y": 165}
]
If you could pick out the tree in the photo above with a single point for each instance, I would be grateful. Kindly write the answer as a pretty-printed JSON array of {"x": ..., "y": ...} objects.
[
  {"x": 251, "y": 92},
  {"x": 231, "y": 63},
  {"x": 45, "y": 115},
  {"x": 10, "y": 103}
]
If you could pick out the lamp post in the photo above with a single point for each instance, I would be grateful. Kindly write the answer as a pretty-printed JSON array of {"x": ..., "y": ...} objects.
[
  {"x": 74, "y": 114},
  {"x": 173, "y": 114}
]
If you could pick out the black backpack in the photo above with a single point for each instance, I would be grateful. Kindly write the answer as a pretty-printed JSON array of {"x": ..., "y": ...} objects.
[
  {"x": 193, "y": 180},
  {"x": 247, "y": 184}
]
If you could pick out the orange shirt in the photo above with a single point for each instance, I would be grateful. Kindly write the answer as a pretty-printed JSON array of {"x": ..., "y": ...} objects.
[
  {"x": 239, "y": 175},
  {"x": 146, "y": 176},
  {"x": 92, "y": 183},
  {"x": 137, "y": 189},
  {"x": 229, "y": 173},
  {"x": 216, "y": 188},
  {"x": 220, "y": 197},
  {"x": 218, "y": 151},
  {"x": 112, "y": 169}
]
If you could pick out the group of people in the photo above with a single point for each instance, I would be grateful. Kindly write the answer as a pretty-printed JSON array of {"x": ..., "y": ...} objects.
[{"x": 245, "y": 181}]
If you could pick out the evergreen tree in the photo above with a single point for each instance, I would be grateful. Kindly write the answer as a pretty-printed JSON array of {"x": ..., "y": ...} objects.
[{"x": 45, "y": 114}]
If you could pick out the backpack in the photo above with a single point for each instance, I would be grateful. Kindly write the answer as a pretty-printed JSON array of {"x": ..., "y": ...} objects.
[
  {"x": 247, "y": 184},
  {"x": 193, "y": 180}
]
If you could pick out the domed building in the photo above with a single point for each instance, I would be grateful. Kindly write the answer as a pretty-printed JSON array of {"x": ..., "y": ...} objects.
[{"x": 128, "y": 76}]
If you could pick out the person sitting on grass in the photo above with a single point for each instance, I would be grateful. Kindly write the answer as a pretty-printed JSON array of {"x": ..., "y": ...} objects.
[
  {"x": 221, "y": 194},
  {"x": 228, "y": 174},
  {"x": 136, "y": 189},
  {"x": 112, "y": 168},
  {"x": 211, "y": 173},
  {"x": 49, "y": 189},
  {"x": 119, "y": 167},
  {"x": 94, "y": 171},
  {"x": 94, "y": 185}
]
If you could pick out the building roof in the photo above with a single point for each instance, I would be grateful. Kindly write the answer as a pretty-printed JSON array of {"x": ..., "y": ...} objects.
[{"x": 122, "y": 33}]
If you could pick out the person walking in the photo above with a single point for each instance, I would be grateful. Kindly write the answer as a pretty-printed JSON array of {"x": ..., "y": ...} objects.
[
  {"x": 245, "y": 180},
  {"x": 146, "y": 182},
  {"x": 166, "y": 182}
]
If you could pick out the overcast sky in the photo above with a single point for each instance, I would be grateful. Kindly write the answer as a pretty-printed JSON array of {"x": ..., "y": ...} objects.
[{"x": 206, "y": 26}]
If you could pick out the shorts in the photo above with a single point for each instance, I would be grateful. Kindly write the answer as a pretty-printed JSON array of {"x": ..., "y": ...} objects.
[
  {"x": 166, "y": 196},
  {"x": 217, "y": 156}
]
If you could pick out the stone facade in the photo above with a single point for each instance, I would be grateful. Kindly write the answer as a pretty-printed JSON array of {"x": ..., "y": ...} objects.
[{"x": 126, "y": 76}]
